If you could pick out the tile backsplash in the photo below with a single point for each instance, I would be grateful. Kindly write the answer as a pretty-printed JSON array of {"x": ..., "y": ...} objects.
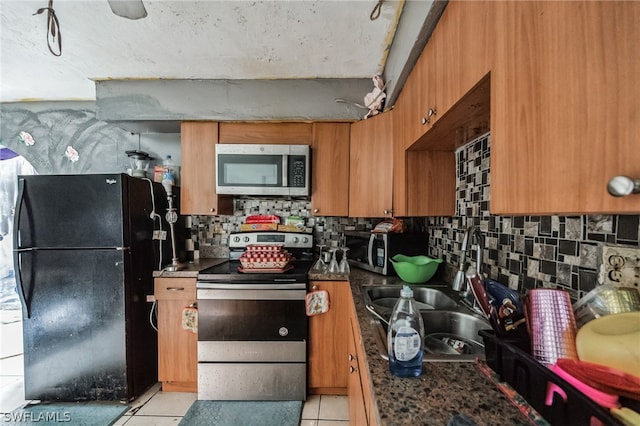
[
  {"x": 523, "y": 252},
  {"x": 526, "y": 252}
]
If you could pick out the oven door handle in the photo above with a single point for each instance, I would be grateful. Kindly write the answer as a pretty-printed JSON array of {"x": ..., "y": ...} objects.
[
  {"x": 249, "y": 286},
  {"x": 219, "y": 294}
]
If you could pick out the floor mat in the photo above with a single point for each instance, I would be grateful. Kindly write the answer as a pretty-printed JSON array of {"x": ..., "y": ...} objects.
[
  {"x": 68, "y": 413},
  {"x": 236, "y": 413}
]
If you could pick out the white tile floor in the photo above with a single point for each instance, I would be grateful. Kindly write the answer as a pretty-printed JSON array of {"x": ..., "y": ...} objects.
[{"x": 154, "y": 408}]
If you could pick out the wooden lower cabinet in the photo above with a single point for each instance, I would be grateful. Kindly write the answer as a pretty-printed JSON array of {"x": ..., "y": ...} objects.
[
  {"x": 328, "y": 339},
  {"x": 362, "y": 410},
  {"x": 177, "y": 347}
]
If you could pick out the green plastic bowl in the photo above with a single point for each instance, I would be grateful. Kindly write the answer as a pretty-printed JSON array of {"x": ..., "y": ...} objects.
[{"x": 415, "y": 269}]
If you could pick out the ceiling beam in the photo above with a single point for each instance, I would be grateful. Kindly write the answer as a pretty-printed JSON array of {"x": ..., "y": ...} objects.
[
  {"x": 231, "y": 100},
  {"x": 417, "y": 22}
]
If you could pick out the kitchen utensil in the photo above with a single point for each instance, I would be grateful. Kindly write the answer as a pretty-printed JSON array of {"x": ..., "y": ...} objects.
[
  {"x": 415, "y": 269},
  {"x": 476, "y": 287},
  {"x": 480, "y": 293},
  {"x": 612, "y": 341},
  {"x": 498, "y": 293},
  {"x": 551, "y": 324},
  {"x": 605, "y": 300},
  {"x": 262, "y": 218},
  {"x": 377, "y": 314},
  {"x": 608, "y": 400},
  {"x": 139, "y": 161},
  {"x": 437, "y": 346},
  {"x": 507, "y": 303},
  {"x": 344, "y": 267},
  {"x": 334, "y": 268},
  {"x": 320, "y": 266},
  {"x": 603, "y": 378}
]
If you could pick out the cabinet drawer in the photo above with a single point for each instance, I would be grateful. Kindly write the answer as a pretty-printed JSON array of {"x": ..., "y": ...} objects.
[{"x": 175, "y": 288}]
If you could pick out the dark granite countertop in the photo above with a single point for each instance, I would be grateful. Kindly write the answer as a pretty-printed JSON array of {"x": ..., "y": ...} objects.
[
  {"x": 444, "y": 389},
  {"x": 190, "y": 269}
]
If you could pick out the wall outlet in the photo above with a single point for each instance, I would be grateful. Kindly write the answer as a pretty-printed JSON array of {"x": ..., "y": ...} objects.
[{"x": 621, "y": 266}]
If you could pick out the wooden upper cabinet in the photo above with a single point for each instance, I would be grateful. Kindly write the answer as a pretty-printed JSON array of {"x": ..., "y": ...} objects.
[
  {"x": 330, "y": 169},
  {"x": 565, "y": 108},
  {"x": 267, "y": 133},
  {"x": 458, "y": 55},
  {"x": 198, "y": 173},
  {"x": 371, "y": 167},
  {"x": 408, "y": 109},
  {"x": 460, "y": 52}
]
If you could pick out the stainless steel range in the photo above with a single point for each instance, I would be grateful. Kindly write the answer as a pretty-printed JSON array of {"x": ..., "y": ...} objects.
[{"x": 252, "y": 327}]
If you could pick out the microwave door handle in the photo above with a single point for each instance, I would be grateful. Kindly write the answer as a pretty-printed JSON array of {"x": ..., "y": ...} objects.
[
  {"x": 285, "y": 171},
  {"x": 371, "y": 255}
]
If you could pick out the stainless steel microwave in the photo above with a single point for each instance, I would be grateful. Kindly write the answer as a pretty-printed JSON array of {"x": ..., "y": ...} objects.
[
  {"x": 248, "y": 169},
  {"x": 372, "y": 251}
]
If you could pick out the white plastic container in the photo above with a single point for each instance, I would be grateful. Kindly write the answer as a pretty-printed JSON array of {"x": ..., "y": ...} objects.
[
  {"x": 605, "y": 300},
  {"x": 405, "y": 337},
  {"x": 169, "y": 171}
]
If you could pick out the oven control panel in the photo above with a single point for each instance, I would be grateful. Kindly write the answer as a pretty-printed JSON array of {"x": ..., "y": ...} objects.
[{"x": 291, "y": 240}]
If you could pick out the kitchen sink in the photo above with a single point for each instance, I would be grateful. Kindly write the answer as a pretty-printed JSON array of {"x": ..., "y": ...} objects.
[
  {"x": 426, "y": 298},
  {"x": 451, "y": 329}
]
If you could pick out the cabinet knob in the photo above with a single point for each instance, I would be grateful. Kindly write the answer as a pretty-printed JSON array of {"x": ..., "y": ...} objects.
[
  {"x": 621, "y": 186},
  {"x": 388, "y": 211},
  {"x": 212, "y": 210},
  {"x": 352, "y": 369},
  {"x": 430, "y": 113},
  {"x": 316, "y": 210},
  {"x": 351, "y": 357}
]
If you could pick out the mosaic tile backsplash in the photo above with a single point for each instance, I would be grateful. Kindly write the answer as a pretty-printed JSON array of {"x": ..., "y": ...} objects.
[{"x": 522, "y": 252}]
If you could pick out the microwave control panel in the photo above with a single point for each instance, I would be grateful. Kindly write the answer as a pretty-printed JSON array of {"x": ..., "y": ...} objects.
[{"x": 297, "y": 171}]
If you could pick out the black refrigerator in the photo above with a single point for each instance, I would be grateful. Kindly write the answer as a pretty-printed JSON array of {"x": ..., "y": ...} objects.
[{"x": 85, "y": 247}]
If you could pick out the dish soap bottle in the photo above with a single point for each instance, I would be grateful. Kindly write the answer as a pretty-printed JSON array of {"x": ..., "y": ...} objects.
[{"x": 405, "y": 337}]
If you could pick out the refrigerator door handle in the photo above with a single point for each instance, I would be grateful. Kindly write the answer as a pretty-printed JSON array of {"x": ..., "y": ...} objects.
[
  {"x": 26, "y": 311},
  {"x": 17, "y": 216},
  {"x": 26, "y": 305}
]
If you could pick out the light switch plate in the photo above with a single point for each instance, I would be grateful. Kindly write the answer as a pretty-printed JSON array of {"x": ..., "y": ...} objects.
[{"x": 621, "y": 266}]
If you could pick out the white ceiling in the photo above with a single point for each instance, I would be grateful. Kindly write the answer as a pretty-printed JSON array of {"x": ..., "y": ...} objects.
[{"x": 189, "y": 40}]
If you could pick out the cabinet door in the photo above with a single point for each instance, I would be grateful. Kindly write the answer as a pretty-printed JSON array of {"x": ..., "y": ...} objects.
[
  {"x": 409, "y": 108},
  {"x": 371, "y": 167},
  {"x": 460, "y": 52},
  {"x": 565, "y": 108},
  {"x": 177, "y": 347},
  {"x": 330, "y": 181},
  {"x": 266, "y": 133},
  {"x": 198, "y": 173},
  {"x": 328, "y": 339},
  {"x": 357, "y": 410},
  {"x": 362, "y": 409}
]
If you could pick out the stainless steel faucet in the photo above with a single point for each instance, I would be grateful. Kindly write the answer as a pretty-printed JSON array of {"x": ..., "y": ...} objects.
[{"x": 460, "y": 280}]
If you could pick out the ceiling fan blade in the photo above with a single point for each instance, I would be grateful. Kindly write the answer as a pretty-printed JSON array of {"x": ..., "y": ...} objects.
[{"x": 131, "y": 9}]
